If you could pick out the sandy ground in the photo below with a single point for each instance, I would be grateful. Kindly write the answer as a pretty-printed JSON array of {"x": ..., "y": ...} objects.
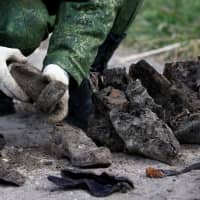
[
  {"x": 184, "y": 187},
  {"x": 37, "y": 165}
]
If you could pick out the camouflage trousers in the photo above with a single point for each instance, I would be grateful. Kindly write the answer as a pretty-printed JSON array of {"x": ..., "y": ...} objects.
[{"x": 79, "y": 28}]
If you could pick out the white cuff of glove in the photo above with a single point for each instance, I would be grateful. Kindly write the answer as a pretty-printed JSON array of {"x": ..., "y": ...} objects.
[{"x": 55, "y": 72}]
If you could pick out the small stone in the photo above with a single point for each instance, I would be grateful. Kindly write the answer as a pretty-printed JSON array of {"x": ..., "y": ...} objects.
[
  {"x": 170, "y": 190},
  {"x": 46, "y": 162},
  {"x": 5, "y": 160},
  {"x": 20, "y": 150}
]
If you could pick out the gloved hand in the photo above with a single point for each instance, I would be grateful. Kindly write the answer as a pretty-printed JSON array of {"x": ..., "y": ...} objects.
[
  {"x": 55, "y": 73},
  {"x": 7, "y": 83}
]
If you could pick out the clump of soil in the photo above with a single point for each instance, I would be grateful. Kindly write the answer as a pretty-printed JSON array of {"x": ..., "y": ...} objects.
[{"x": 146, "y": 112}]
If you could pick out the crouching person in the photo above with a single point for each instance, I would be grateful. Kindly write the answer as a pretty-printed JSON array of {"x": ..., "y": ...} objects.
[{"x": 85, "y": 35}]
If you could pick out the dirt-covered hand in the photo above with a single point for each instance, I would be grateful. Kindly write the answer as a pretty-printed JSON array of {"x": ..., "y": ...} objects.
[
  {"x": 55, "y": 73},
  {"x": 7, "y": 83}
]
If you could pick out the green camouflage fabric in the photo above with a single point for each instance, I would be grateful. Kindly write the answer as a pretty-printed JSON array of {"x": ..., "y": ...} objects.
[
  {"x": 23, "y": 24},
  {"x": 80, "y": 27},
  {"x": 126, "y": 15}
]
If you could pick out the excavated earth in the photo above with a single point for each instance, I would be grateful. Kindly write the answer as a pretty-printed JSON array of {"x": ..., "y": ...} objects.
[{"x": 29, "y": 139}]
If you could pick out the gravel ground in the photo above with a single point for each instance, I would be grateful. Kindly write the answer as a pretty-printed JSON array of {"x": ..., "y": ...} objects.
[{"x": 184, "y": 187}]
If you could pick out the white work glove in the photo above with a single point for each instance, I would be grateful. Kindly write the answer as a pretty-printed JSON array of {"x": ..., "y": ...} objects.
[
  {"x": 7, "y": 83},
  {"x": 56, "y": 73}
]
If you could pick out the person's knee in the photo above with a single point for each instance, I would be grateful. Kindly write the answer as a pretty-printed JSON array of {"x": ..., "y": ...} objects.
[{"x": 23, "y": 27}]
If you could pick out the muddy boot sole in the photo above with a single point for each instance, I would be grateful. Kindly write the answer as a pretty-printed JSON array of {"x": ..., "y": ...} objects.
[
  {"x": 188, "y": 130},
  {"x": 144, "y": 133},
  {"x": 82, "y": 152}
]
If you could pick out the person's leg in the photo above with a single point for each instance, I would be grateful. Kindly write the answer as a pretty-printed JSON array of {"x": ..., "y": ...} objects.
[
  {"x": 81, "y": 26},
  {"x": 124, "y": 19},
  {"x": 23, "y": 25}
]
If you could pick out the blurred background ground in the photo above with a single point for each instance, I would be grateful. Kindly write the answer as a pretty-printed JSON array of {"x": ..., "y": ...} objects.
[{"x": 160, "y": 23}]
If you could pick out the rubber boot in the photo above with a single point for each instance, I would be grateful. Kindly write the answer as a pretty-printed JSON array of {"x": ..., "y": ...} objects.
[{"x": 80, "y": 103}]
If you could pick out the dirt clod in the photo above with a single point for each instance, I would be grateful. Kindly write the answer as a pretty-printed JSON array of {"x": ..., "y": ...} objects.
[
  {"x": 154, "y": 173},
  {"x": 144, "y": 133}
]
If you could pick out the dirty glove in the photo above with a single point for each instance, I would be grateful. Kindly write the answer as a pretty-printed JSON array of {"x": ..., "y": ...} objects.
[
  {"x": 7, "y": 84},
  {"x": 101, "y": 185},
  {"x": 55, "y": 73}
]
